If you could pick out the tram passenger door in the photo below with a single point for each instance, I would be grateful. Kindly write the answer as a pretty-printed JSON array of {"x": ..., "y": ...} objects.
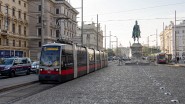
[
  {"x": 67, "y": 62},
  {"x": 63, "y": 62}
]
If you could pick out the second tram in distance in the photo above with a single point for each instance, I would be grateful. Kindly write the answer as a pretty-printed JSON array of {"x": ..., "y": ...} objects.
[
  {"x": 162, "y": 58},
  {"x": 61, "y": 62}
]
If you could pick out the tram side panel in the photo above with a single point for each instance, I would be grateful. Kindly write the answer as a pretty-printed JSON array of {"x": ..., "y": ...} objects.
[
  {"x": 106, "y": 59},
  {"x": 98, "y": 62},
  {"x": 67, "y": 63},
  {"x": 102, "y": 59},
  {"x": 91, "y": 53},
  {"x": 81, "y": 61}
]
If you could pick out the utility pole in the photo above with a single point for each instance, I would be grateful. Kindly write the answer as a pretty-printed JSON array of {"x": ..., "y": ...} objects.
[
  {"x": 163, "y": 39},
  {"x": 105, "y": 37},
  {"x": 148, "y": 45},
  {"x": 82, "y": 23},
  {"x": 42, "y": 22},
  {"x": 156, "y": 40},
  {"x": 110, "y": 40},
  {"x": 116, "y": 45},
  {"x": 97, "y": 31},
  {"x": 175, "y": 47}
]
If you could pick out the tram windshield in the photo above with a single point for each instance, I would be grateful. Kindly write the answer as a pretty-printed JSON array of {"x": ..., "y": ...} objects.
[
  {"x": 50, "y": 56},
  {"x": 162, "y": 57}
]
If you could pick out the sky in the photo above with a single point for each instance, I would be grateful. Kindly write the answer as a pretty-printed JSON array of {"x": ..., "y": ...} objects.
[{"x": 119, "y": 16}]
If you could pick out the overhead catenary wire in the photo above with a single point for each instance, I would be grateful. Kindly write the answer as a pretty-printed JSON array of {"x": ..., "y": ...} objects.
[
  {"x": 180, "y": 3},
  {"x": 141, "y": 19}
]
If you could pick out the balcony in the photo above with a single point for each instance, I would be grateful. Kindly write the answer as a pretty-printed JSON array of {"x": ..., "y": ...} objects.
[
  {"x": 25, "y": 21},
  {"x": 4, "y": 32},
  {"x": 20, "y": 20},
  {"x": 53, "y": 25},
  {"x": 14, "y": 18},
  {"x": 1, "y": 14}
]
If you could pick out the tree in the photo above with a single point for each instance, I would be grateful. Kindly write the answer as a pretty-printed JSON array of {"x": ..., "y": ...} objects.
[{"x": 110, "y": 52}]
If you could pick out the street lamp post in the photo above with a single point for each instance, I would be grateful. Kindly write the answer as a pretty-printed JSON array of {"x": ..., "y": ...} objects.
[
  {"x": 82, "y": 23},
  {"x": 149, "y": 42},
  {"x": 42, "y": 23},
  {"x": 116, "y": 43},
  {"x": 110, "y": 40}
]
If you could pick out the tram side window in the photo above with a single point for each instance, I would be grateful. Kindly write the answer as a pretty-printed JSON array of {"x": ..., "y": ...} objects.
[
  {"x": 63, "y": 61},
  {"x": 81, "y": 56},
  {"x": 69, "y": 60},
  {"x": 91, "y": 56},
  {"x": 67, "y": 57},
  {"x": 97, "y": 56}
]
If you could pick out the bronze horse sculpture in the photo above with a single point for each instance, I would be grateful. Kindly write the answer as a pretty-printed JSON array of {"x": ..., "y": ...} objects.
[{"x": 136, "y": 32}]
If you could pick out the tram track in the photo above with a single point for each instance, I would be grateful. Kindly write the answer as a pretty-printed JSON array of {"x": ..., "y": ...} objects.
[{"x": 10, "y": 96}]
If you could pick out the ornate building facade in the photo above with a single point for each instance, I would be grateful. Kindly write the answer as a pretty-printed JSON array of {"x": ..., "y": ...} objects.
[
  {"x": 59, "y": 20},
  {"x": 173, "y": 40},
  {"x": 13, "y": 28},
  {"x": 90, "y": 37}
]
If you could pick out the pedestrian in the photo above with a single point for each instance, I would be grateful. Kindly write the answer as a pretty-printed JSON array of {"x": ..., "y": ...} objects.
[{"x": 177, "y": 59}]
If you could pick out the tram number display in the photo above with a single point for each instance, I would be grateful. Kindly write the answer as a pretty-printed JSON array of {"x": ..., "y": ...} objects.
[{"x": 51, "y": 49}]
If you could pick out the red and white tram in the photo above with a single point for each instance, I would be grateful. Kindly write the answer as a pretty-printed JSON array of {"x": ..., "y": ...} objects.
[{"x": 61, "y": 62}]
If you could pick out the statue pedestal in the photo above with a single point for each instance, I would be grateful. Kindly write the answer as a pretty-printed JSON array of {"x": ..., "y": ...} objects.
[
  {"x": 136, "y": 51},
  {"x": 136, "y": 59}
]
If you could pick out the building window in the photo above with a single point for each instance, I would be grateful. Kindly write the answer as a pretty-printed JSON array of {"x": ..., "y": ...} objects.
[
  {"x": 13, "y": 0},
  {"x": 13, "y": 28},
  {"x": 24, "y": 16},
  {"x": 0, "y": 24},
  {"x": 57, "y": 11},
  {"x": 14, "y": 43},
  {"x": 24, "y": 54},
  {"x": 39, "y": 44},
  {"x": 13, "y": 12},
  {"x": 6, "y": 8},
  {"x": 39, "y": 31},
  {"x": 24, "y": 4},
  {"x": 6, "y": 24},
  {"x": 39, "y": 19},
  {"x": 7, "y": 42},
  {"x": 39, "y": 7},
  {"x": 25, "y": 44},
  {"x": 19, "y": 43},
  {"x": 20, "y": 29},
  {"x": 19, "y": 2},
  {"x": 25, "y": 31},
  {"x": 51, "y": 32},
  {"x": 182, "y": 31},
  {"x": 57, "y": 33},
  {"x": 19, "y": 13}
]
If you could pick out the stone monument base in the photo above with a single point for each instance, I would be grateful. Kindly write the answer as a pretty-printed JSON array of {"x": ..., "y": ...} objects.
[
  {"x": 136, "y": 51},
  {"x": 136, "y": 59}
]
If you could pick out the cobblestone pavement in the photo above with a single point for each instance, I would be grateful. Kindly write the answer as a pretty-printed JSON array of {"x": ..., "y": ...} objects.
[{"x": 115, "y": 84}]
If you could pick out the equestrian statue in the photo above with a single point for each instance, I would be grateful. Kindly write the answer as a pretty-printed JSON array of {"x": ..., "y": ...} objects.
[{"x": 136, "y": 32}]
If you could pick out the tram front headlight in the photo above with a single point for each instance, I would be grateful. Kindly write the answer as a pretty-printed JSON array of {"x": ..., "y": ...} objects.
[
  {"x": 41, "y": 69},
  {"x": 57, "y": 69}
]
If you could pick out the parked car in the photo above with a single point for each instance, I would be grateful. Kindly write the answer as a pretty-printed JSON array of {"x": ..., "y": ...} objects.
[
  {"x": 35, "y": 66},
  {"x": 14, "y": 66}
]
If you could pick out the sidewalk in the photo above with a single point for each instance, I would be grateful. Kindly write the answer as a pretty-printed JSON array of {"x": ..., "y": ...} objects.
[
  {"x": 10, "y": 83},
  {"x": 180, "y": 64}
]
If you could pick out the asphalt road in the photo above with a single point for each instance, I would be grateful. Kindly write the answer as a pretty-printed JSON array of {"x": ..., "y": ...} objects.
[{"x": 119, "y": 85}]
